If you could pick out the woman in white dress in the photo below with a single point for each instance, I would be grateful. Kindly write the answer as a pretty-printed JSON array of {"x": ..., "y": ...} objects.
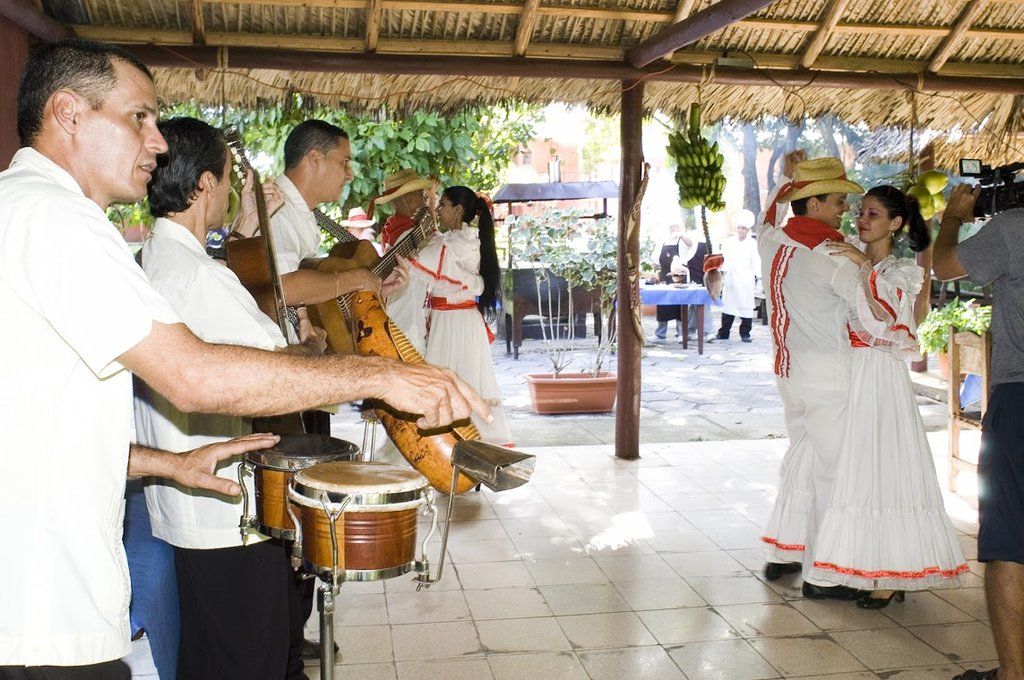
[
  {"x": 885, "y": 529},
  {"x": 462, "y": 278}
]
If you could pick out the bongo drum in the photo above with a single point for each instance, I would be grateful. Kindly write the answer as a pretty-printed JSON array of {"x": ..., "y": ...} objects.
[
  {"x": 357, "y": 519},
  {"x": 272, "y": 470}
]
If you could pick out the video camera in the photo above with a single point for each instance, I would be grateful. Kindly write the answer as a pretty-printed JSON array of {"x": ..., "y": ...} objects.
[{"x": 1000, "y": 190}]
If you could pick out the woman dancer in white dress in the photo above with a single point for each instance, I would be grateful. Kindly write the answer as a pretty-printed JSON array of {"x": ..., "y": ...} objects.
[
  {"x": 457, "y": 270},
  {"x": 885, "y": 529}
]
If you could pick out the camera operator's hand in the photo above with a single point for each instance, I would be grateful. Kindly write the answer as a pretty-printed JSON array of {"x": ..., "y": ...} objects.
[{"x": 961, "y": 203}]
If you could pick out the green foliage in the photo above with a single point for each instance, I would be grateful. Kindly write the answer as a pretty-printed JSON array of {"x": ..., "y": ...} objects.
[
  {"x": 471, "y": 147},
  {"x": 933, "y": 332}
]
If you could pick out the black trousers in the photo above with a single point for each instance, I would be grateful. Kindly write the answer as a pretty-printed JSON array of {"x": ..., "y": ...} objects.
[
  {"x": 109, "y": 670},
  {"x": 727, "y": 319},
  {"x": 234, "y": 612},
  {"x": 667, "y": 313},
  {"x": 300, "y": 606}
]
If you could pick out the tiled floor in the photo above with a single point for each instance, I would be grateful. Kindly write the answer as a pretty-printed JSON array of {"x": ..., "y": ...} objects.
[{"x": 600, "y": 568}]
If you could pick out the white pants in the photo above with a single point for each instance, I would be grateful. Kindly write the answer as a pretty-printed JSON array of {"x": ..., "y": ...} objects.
[{"x": 815, "y": 420}]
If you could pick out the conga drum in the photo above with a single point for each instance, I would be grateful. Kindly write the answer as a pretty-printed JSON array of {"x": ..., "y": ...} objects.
[
  {"x": 372, "y": 509},
  {"x": 272, "y": 471}
]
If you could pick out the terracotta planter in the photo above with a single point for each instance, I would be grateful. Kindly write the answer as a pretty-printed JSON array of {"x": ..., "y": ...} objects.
[
  {"x": 944, "y": 365},
  {"x": 648, "y": 310},
  {"x": 572, "y": 392}
]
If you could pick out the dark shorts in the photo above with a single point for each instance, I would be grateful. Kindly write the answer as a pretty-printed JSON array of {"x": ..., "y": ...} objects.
[{"x": 1001, "y": 477}]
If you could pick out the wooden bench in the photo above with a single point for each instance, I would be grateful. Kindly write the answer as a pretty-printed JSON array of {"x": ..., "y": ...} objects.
[{"x": 968, "y": 353}]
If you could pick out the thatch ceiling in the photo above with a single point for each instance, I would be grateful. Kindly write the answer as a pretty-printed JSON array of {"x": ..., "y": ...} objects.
[{"x": 979, "y": 39}]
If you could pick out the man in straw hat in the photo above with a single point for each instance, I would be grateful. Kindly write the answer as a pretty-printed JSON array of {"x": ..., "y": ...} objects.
[
  {"x": 808, "y": 316},
  {"x": 407, "y": 192}
]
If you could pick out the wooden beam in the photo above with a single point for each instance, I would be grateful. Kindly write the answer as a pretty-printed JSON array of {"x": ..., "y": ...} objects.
[
  {"x": 951, "y": 42},
  {"x": 831, "y": 18},
  {"x": 683, "y": 9},
  {"x": 336, "y": 4},
  {"x": 29, "y": 17},
  {"x": 374, "y": 14},
  {"x": 628, "y": 347},
  {"x": 537, "y": 51},
  {"x": 511, "y": 67},
  {"x": 473, "y": 7},
  {"x": 14, "y": 44},
  {"x": 692, "y": 29},
  {"x": 198, "y": 23},
  {"x": 524, "y": 31}
]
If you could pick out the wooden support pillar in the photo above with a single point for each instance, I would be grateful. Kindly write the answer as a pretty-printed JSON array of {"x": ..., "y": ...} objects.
[
  {"x": 924, "y": 260},
  {"x": 13, "y": 55},
  {"x": 627, "y": 410}
]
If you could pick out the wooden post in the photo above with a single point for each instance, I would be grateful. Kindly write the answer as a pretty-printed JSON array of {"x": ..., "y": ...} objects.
[
  {"x": 627, "y": 411},
  {"x": 13, "y": 54},
  {"x": 924, "y": 260}
]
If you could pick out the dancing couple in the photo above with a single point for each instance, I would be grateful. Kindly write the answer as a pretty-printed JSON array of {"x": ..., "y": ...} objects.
[{"x": 859, "y": 509}]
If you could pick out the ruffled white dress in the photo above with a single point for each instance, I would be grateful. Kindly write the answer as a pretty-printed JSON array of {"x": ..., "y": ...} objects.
[
  {"x": 885, "y": 526},
  {"x": 457, "y": 336}
]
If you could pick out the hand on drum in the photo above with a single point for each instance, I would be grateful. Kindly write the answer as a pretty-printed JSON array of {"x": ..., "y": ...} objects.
[
  {"x": 437, "y": 394},
  {"x": 196, "y": 468}
]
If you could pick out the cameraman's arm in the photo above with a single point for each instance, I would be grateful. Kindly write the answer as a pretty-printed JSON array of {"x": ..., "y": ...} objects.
[{"x": 960, "y": 209}]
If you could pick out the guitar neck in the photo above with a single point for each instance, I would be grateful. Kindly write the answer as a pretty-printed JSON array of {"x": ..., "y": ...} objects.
[{"x": 331, "y": 227}]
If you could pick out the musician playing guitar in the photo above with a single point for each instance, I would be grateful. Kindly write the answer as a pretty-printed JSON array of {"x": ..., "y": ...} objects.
[
  {"x": 234, "y": 596},
  {"x": 408, "y": 194}
]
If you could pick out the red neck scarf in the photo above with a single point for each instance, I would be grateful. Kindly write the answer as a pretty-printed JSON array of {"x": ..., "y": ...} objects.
[
  {"x": 810, "y": 232},
  {"x": 395, "y": 227}
]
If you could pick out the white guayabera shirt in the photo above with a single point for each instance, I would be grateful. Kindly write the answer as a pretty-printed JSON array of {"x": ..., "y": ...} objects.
[
  {"x": 73, "y": 301},
  {"x": 218, "y": 309}
]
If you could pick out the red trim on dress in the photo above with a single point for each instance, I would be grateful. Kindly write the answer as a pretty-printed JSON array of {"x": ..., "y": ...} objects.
[
  {"x": 872, "y": 281},
  {"x": 440, "y": 304},
  {"x": 781, "y": 546},
  {"x": 780, "y": 315},
  {"x": 885, "y": 573}
]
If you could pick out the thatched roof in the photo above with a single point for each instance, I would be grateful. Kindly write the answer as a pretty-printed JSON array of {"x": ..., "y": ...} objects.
[{"x": 982, "y": 40}]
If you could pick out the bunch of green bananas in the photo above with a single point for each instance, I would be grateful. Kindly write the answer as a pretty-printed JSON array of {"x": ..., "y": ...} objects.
[{"x": 698, "y": 166}]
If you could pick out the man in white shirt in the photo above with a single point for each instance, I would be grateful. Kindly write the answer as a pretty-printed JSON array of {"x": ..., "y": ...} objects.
[
  {"x": 808, "y": 315},
  {"x": 225, "y": 630},
  {"x": 742, "y": 266},
  {"x": 83, "y": 314}
]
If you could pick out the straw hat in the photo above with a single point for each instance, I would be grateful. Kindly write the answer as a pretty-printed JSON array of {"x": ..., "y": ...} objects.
[
  {"x": 401, "y": 183},
  {"x": 820, "y": 176},
  {"x": 357, "y": 219}
]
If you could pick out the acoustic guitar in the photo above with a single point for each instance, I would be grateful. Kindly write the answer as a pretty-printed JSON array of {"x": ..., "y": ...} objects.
[
  {"x": 252, "y": 259},
  {"x": 335, "y": 316}
]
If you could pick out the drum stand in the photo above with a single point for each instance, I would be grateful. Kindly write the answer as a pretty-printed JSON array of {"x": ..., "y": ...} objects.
[{"x": 325, "y": 594}]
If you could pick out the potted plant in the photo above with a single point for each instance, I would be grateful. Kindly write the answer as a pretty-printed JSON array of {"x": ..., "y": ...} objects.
[
  {"x": 583, "y": 252},
  {"x": 933, "y": 332}
]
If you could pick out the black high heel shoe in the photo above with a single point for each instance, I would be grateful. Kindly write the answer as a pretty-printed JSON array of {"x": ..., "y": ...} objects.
[{"x": 868, "y": 602}]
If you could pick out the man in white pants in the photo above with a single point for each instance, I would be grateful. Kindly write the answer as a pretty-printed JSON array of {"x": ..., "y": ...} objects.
[{"x": 808, "y": 318}]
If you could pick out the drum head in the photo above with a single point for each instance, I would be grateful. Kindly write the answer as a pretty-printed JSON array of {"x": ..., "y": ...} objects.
[
  {"x": 300, "y": 451},
  {"x": 358, "y": 478}
]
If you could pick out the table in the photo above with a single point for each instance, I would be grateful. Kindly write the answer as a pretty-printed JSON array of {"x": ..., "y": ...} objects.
[{"x": 687, "y": 296}]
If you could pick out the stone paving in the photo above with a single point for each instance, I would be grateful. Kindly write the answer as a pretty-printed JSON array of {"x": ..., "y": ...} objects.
[{"x": 726, "y": 393}]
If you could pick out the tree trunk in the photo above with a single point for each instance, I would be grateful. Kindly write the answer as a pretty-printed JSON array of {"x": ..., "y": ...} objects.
[
  {"x": 826, "y": 127},
  {"x": 751, "y": 187}
]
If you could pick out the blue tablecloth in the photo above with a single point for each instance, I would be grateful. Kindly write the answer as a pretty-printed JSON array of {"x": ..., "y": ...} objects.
[
  {"x": 667, "y": 294},
  {"x": 154, "y": 585}
]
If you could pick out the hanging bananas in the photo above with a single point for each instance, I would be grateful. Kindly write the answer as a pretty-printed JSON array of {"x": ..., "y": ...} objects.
[{"x": 698, "y": 166}]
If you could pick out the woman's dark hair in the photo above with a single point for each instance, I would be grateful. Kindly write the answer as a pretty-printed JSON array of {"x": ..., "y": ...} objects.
[
  {"x": 899, "y": 204},
  {"x": 475, "y": 206},
  {"x": 193, "y": 147}
]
